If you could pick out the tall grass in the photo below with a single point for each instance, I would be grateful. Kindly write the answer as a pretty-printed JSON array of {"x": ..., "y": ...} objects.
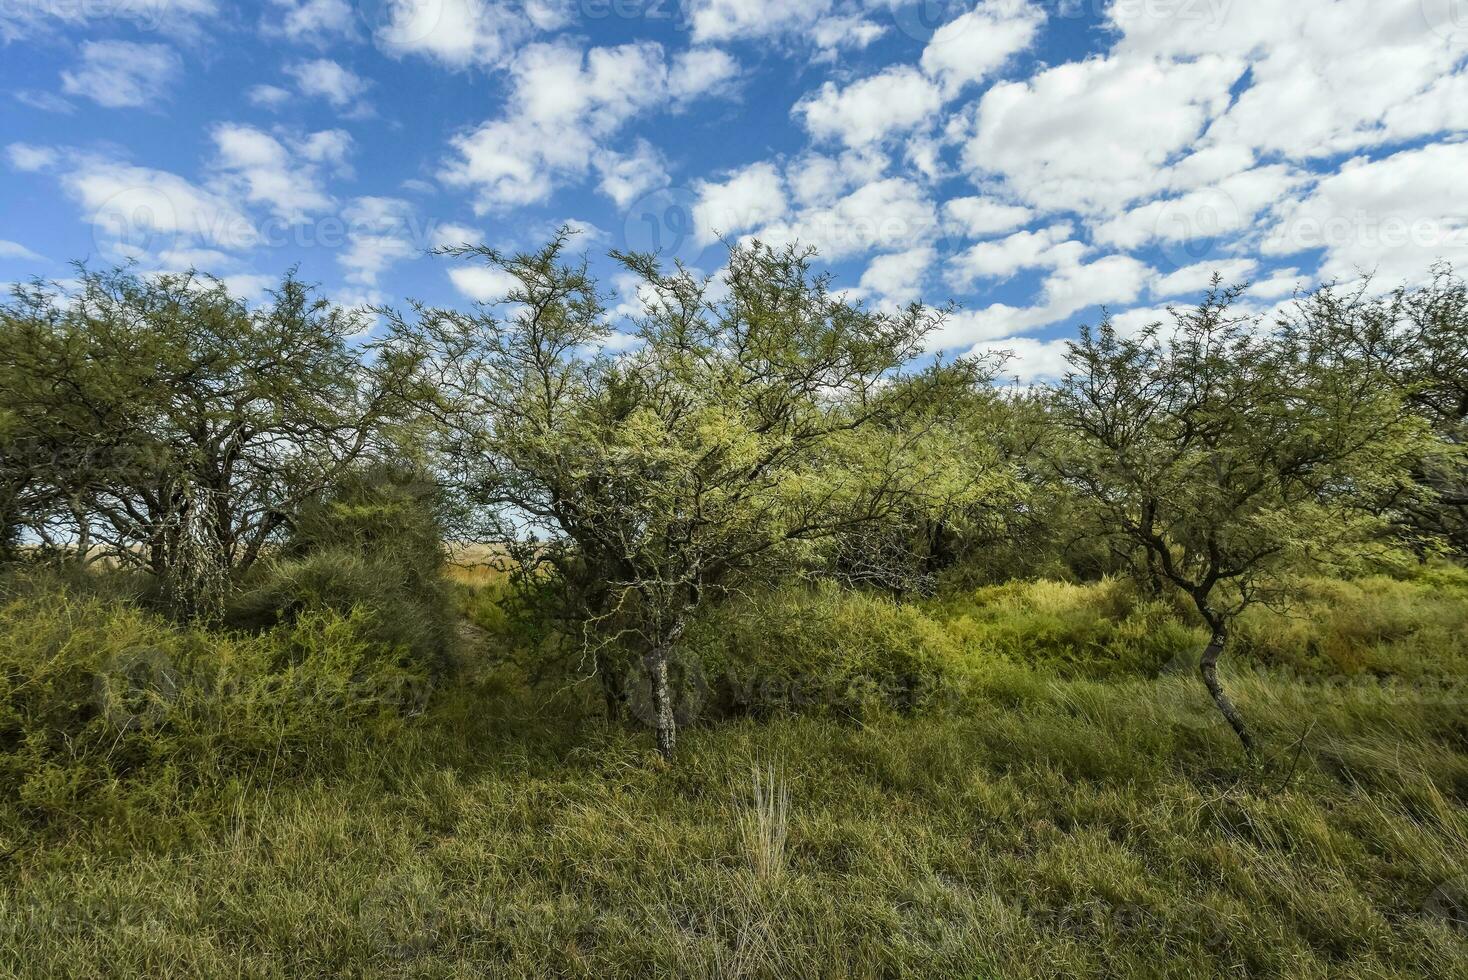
[
  {"x": 1048, "y": 822},
  {"x": 765, "y": 822}
]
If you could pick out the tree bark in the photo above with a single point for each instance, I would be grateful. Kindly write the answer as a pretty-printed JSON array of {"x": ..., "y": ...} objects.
[
  {"x": 662, "y": 700},
  {"x": 1208, "y": 667}
]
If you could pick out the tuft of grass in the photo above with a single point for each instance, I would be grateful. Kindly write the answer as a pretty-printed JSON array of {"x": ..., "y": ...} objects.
[{"x": 765, "y": 823}]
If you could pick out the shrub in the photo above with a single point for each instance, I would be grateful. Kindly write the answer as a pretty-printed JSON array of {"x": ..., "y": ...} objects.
[
  {"x": 1101, "y": 629},
  {"x": 823, "y": 650},
  {"x": 96, "y": 695},
  {"x": 1387, "y": 627},
  {"x": 374, "y": 544}
]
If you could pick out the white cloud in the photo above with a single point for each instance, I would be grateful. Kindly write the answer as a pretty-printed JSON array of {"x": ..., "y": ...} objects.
[
  {"x": 137, "y": 210},
  {"x": 627, "y": 176},
  {"x": 30, "y": 158},
  {"x": 1394, "y": 216},
  {"x": 1029, "y": 360},
  {"x": 897, "y": 278},
  {"x": 15, "y": 250},
  {"x": 1199, "y": 216},
  {"x": 44, "y": 101},
  {"x": 818, "y": 179},
  {"x": 1071, "y": 286},
  {"x": 265, "y": 171},
  {"x": 483, "y": 284},
  {"x": 980, "y": 217},
  {"x": 123, "y": 74},
  {"x": 268, "y": 96},
  {"x": 1004, "y": 257},
  {"x": 19, "y": 21},
  {"x": 324, "y": 78},
  {"x": 699, "y": 71},
  {"x": 565, "y": 105},
  {"x": 460, "y": 33},
  {"x": 727, "y": 20},
  {"x": 748, "y": 199},
  {"x": 316, "y": 22},
  {"x": 380, "y": 232},
  {"x": 975, "y": 44},
  {"x": 893, "y": 101},
  {"x": 1121, "y": 120},
  {"x": 883, "y": 215},
  {"x": 1326, "y": 76},
  {"x": 1197, "y": 277},
  {"x": 454, "y": 234}
]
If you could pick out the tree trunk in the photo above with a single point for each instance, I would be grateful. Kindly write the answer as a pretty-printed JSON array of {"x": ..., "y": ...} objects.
[
  {"x": 656, "y": 663},
  {"x": 1208, "y": 666}
]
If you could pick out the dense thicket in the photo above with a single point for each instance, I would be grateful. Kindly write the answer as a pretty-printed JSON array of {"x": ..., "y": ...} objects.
[{"x": 261, "y": 467}]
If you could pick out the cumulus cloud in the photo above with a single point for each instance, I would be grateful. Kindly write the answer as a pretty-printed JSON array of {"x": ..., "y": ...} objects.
[
  {"x": 747, "y": 199},
  {"x": 565, "y": 107},
  {"x": 872, "y": 109},
  {"x": 1394, "y": 216},
  {"x": 974, "y": 45},
  {"x": 459, "y": 33},
  {"x": 265, "y": 171},
  {"x": 897, "y": 278},
  {"x": 1122, "y": 120}
]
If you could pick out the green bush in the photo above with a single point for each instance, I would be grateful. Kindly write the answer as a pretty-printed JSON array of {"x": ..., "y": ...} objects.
[
  {"x": 374, "y": 544},
  {"x": 1098, "y": 630},
  {"x": 101, "y": 700},
  {"x": 821, "y": 651},
  {"x": 1377, "y": 625}
]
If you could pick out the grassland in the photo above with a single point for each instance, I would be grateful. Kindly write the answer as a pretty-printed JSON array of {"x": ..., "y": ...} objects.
[{"x": 1068, "y": 808}]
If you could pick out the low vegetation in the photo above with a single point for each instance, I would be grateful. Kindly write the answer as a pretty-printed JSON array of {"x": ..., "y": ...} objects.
[{"x": 766, "y": 647}]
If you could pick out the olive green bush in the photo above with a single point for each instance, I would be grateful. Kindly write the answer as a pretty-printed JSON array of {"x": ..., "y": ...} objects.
[{"x": 821, "y": 651}]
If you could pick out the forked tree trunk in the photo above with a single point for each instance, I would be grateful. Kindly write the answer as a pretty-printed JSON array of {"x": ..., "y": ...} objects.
[{"x": 1208, "y": 667}]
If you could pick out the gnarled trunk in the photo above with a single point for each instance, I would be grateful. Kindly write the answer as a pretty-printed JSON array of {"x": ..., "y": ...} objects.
[{"x": 1208, "y": 667}]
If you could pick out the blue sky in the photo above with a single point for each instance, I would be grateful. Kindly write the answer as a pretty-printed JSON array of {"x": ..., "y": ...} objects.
[{"x": 1033, "y": 161}]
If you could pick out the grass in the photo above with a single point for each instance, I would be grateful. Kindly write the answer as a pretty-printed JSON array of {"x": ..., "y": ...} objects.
[{"x": 1044, "y": 823}]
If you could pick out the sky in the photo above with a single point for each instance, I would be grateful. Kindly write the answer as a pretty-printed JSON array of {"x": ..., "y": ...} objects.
[{"x": 1037, "y": 163}]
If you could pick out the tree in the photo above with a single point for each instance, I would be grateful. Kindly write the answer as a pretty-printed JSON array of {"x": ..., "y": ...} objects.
[
  {"x": 1231, "y": 455},
  {"x": 746, "y": 423},
  {"x": 1414, "y": 338},
  {"x": 169, "y": 425}
]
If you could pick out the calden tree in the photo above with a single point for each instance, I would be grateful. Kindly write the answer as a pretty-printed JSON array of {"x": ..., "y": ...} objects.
[
  {"x": 161, "y": 421},
  {"x": 1232, "y": 454},
  {"x": 742, "y": 424}
]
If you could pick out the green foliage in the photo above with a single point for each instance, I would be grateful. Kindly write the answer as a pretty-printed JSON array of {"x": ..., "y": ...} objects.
[
  {"x": 135, "y": 409},
  {"x": 371, "y": 547},
  {"x": 1095, "y": 630},
  {"x": 103, "y": 704},
  {"x": 755, "y": 422},
  {"x": 822, "y": 651},
  {"x": 1049, "y": 828},
  {"x": 1408, "y": 629}
]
